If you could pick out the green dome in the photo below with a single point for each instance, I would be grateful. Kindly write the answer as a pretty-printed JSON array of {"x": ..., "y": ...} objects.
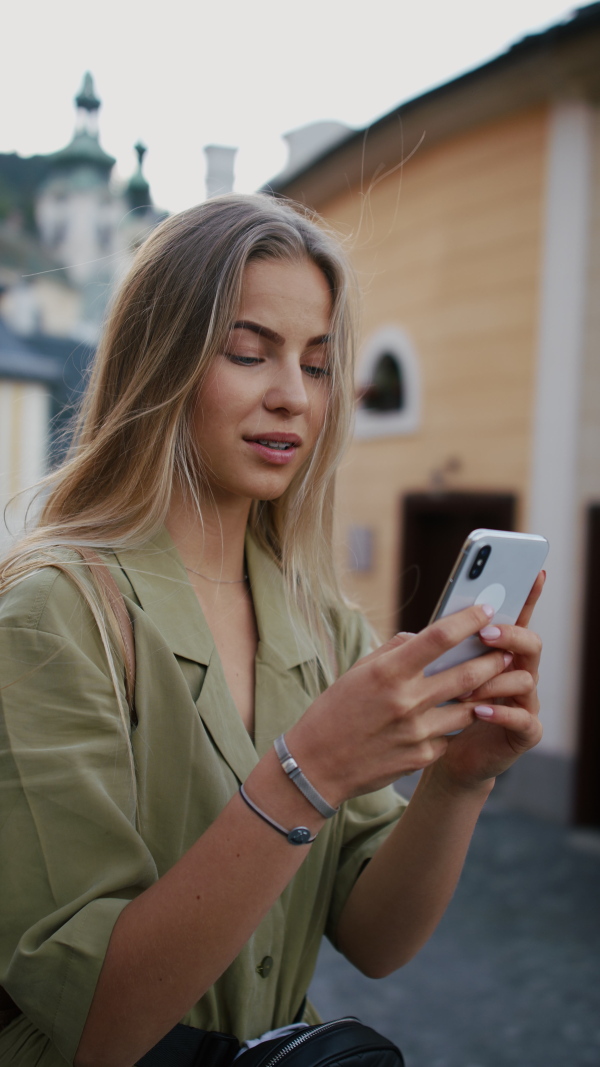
[{"x": 83, "y": 150}]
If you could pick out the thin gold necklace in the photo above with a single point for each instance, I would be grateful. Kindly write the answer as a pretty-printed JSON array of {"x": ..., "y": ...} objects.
[{"x": 219, "y": 581}]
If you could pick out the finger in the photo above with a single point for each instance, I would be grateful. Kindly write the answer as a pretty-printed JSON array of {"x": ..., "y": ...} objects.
[
  {"x": 524, "y": 730},
  {"x": 517, "y": 639},
  {"x": 534, "y": 595},
  {"x": 394, "y": 642},
  {"x": 443, "y": 635},
  {"x": 441, "y": 721},
  {"x": 508, "y": 684},
  {"x": 464, "y": 678}
]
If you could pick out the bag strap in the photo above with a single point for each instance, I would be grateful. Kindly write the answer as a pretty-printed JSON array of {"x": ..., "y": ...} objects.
[
  {"x": 116, "y": 601},
  {"x": 184, "y": 1046}
]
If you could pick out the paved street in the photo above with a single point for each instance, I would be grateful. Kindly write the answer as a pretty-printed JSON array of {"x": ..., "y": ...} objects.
[{"x": 512, "y": 975}]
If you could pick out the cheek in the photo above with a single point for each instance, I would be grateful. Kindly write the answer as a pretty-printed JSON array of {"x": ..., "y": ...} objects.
[{"x": 216, "y": 400}]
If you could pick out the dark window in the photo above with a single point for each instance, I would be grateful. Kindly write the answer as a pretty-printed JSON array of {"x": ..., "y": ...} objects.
[{"x": 386, "y": 390}]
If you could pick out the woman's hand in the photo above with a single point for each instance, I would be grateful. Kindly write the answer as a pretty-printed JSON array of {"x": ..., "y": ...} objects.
[
  {"x": 506, "y": 706},
  {"x": 382, "y": 718}
]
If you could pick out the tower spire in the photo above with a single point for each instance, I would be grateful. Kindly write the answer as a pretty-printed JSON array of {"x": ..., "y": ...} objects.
[
  {"x": 138, "y": 189},
  {"x": 84, "y": 147},
  {"x": 88, "y": 106},
  {"x": 86, "y": 97}
]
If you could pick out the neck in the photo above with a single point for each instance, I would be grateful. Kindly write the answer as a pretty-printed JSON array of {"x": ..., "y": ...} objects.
[{"x": 214, "y": 545}]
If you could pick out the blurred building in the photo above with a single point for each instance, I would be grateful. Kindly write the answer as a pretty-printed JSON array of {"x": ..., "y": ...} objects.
[
  {"x": 68, "y": 233},
  {"x": 473, "y": 216}
]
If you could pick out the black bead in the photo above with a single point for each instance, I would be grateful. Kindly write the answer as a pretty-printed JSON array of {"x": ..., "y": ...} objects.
[{"x": 300, "y": 835}]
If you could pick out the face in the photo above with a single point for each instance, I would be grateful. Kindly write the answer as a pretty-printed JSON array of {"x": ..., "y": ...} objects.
[{"x": 262, "y": 405}]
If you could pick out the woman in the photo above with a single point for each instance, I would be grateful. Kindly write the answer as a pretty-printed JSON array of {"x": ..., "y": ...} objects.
[{"x": 143, "y": 889}]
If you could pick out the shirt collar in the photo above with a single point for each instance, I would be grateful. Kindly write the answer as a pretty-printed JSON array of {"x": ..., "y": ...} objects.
[
  {"x": 281, "y": 627},
  {"x": 161, "y": 584}
]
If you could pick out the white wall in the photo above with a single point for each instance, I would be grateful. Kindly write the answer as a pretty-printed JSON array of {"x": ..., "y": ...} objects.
[
  {"x": 555, "y": 510},
  {"x": 24, "y": 418}
]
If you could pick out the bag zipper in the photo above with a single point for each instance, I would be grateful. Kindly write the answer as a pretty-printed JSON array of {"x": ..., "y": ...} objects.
[{"x": 305, "y": 1036}]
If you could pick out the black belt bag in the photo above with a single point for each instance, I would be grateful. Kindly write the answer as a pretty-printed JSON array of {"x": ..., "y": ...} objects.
[{"x": 341, "y": 1043}]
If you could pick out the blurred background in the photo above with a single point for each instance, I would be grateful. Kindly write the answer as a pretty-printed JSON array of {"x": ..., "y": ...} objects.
[{"x": 456, "y": 150}]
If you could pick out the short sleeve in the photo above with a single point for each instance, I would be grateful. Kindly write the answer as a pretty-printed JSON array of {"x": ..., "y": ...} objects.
[
  {"x": 70, "y": 854},
  {"x": 367, "y": 820}
]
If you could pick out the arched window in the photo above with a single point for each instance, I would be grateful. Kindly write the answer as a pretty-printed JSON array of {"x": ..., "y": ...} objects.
[
  {"x": 388, "y": 385},
  {"x": 386, "y": 389}
]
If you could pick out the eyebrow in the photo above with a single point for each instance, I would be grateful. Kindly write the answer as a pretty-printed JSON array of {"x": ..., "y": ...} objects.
[{"x": 276, "y": 338}]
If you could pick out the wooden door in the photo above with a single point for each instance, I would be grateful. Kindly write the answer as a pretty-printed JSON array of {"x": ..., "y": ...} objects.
[
  {"x": 587, "y": 782},
  {"x": 435, "y": 526}
]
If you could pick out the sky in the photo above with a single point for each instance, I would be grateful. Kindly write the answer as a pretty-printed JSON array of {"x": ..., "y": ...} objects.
[{"x": 180, "y": 74}]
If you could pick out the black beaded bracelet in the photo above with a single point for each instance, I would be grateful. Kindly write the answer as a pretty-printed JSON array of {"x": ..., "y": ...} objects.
[{"x": 300, "y": 835}]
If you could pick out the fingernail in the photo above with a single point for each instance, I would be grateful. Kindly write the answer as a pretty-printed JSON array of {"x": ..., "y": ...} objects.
[
  {"x": 465, "y": 696},
  {"x": 483, "y": 711},
  {"x": 488, "y": 610},
  {"x": 490, "y": 633},
  {"x": 507, "y": 658},
  {"x": 405, "y": 633}
]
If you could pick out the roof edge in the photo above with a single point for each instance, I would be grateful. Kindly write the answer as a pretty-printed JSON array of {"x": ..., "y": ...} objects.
[{"x": 543, "y": 48}]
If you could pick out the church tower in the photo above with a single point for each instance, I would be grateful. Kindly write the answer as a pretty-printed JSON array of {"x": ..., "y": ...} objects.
[{"x": 78, "y": 214}]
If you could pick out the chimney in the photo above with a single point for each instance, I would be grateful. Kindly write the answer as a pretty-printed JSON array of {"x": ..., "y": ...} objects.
[
  {"x": 306, "y": 143},
  {"x": 219, "y": 169}
]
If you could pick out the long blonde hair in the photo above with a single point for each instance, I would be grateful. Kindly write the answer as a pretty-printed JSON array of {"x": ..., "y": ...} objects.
[{"x": 132, "y": 438}]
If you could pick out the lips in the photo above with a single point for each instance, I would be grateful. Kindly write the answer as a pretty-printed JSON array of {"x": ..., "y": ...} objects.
[
  {"x": 277, "y": 448},
  {"x": 269, "y": 439}
]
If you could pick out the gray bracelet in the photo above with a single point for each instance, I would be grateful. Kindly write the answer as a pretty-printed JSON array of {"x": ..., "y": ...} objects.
[
  {"x": 300, "y": 835},
  {"x": 300, "y": 780}
]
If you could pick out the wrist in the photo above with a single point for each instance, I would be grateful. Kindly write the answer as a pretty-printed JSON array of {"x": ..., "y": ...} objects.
[
  {"x": 295, "y": 774},
  {"x": 269, "y": 787},
  {"x": 315, "y": 758},
  {"x": 437, "y": 777}
]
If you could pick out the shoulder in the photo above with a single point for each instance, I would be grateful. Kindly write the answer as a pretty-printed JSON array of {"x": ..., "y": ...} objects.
[
  {"x": 49, "y": 617},
  {"x": 50, "y": 598}
]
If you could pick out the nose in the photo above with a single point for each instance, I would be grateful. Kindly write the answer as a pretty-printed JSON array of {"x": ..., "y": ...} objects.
[{"x": 287, "y": 391}]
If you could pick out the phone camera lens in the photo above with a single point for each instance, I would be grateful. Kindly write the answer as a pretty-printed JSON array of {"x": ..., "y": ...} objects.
[{"x": 480, "y": 561}]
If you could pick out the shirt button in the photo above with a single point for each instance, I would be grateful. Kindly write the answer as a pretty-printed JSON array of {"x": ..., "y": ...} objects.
[{"x": 265, "y": 966}]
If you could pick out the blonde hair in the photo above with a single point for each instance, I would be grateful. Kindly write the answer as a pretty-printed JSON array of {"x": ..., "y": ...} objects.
[{"x": 132, "y": 439}]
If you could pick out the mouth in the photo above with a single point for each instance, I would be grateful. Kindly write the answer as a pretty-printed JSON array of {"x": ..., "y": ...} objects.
[{"x": 275, "y": 447}]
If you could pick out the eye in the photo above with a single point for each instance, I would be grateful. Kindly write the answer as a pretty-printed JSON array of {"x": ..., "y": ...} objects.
[
  {"x": 242, "y": 361},
  {"x": 316, "y": 372}
]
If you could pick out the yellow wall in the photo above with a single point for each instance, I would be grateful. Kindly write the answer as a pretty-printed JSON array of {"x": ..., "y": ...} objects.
[{"x": 450, "y": 251}]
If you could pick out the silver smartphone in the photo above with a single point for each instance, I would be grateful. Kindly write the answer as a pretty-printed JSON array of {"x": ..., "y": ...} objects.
[{"x": 494, "y": 567}]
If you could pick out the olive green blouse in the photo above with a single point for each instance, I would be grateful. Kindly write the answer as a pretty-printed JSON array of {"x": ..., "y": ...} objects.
[{"x": 73, "y": 852}]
